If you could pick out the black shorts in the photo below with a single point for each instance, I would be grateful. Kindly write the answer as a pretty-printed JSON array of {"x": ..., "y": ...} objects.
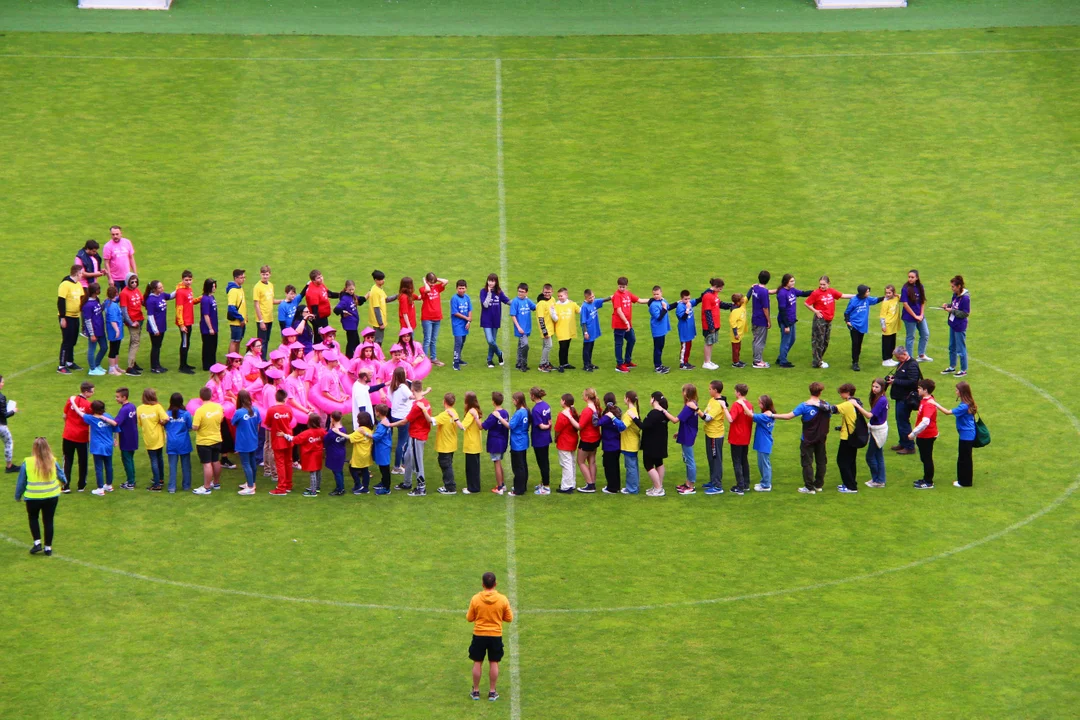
[
  {"x": 588, "y": 446},
  {"x": 481, "y": 644},
  {"x": 652, "y": 462},
  {"x": 209, "y": 453}
]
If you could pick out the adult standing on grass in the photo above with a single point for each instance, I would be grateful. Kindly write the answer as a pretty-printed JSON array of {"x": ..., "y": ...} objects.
[
  {"x": 119, "y": 257},
  {"x": 823, "y": 303},
  {"x": 39, "y": 484},
  {"x": 89, "y": 259},
  {"x": 958, "y": 308},
  {"x": 622, "y": 324},
  {"x": 913, "y": 300},
  {"x": 964, "y": 414},
  {"x": 69, "y": 300},
  {"x": 903, "y": 389},
  {"x": 787, "y": 296},
  {"x": 488, "y": 610},
  {"x": 654, "y": 434},
  {"x": 131, "y": 306}
]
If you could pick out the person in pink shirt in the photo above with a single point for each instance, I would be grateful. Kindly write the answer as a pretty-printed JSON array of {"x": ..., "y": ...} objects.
[
  {"x": 298, "y": 391},
  {"x": 248, "y": 368},
  {"x": 119, "y": 257},
  {"x": 329, "y": 393}
]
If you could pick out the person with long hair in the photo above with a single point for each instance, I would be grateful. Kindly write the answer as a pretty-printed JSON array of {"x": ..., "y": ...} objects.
[
  {"x": 39, "y": 484},
  {"x": 208, "y": 323},
  {"x": 401, "y": 402},
  {"x": 879, "y": 433},
  {"x": 964, "y": 414},
  {"x": 913, "y": 300},
  {"x": 763, "y": 442},
  {"x": 590, "y": 439},
  {"x": 541, "y": 438},
  {"x": 630, "y": 442},
  {"x": 518, "y": 425},
  {"x": 611, "y": 429},
  {"x": 566, "y": 442},
  {"x": 654, "y": 433},
  {"x": 959, "y": 308},
  {"x": 178, "y": 442},
  {"x": 492, "y": 298},
  {"x": 471, "y": 444},
  {"x": 245, "y": 422}
]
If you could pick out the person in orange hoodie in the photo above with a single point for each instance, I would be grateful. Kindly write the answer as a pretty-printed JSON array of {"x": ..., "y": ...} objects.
[{"x": 488, "y": 609}]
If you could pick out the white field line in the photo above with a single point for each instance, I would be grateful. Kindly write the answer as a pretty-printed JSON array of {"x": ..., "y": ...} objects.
[{"x": 29, "y": 369}]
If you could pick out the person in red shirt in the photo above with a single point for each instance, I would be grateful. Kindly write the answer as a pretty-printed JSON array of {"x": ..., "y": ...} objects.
[
  {"x": 566, "y": 442},
  {"x": 431, "y": 314},
  {"x": 310, "y": 444},
  {"x": 823, "y": 303},
  {"x": 742, "y": 422},
  {"x": 622, "y": 324},
  {"x": 406, "y": 299},
  {"x": 419, "y": 423},
  {"x": 280, "y": 424},
  {"x": 925, "y": 433},
  {"x": 590, "y": 440},
  {"x": 131, "y": 305},
  {"x": 317, "y": 298},
  {"x": 185, "y": 318},
  {"x": 77, "y": 434}
]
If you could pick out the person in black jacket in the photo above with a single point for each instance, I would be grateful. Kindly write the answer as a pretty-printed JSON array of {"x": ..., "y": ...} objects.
[
  {"x": 903, "y": 389},
  {"x": 654, "y": 438}
]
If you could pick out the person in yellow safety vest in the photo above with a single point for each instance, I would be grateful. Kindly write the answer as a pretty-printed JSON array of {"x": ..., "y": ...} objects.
[{"x": 39, "y": 483}]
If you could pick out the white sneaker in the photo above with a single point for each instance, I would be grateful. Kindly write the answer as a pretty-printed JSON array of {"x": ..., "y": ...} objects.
[
  {"x": 98, "y": 491},
  {"x": 823, "y": 364},
  {"x": 710, "y": 366},
  {"x": 246, "y": 491},
  {"x": 397, "y": 471},
  {"x": 759, "y": 488},
  {"x": 108, "y": 488},
  {"x": 805, "y": 491},
  {"x": 202, "y": 491},
  {"x": 652, "y": 492},
  {"x": 924, "y": 358},
  {"x": 889, "y": 363},
  {"x": 956, "y": 483},
  {"x": 466, "y": 491}
]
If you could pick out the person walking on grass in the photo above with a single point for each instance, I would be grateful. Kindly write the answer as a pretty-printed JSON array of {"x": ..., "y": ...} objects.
[
  {"x": 39, "y": 484},
  {"x": 488, "y": 610},
  {"x": 5, "y": 434}
]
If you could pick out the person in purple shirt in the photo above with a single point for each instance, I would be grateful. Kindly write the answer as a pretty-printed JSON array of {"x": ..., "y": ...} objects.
[
  {"x": 912, "y": 300},
  {"x": 348, "y": 309},
  {"x": 208, "y": 323},
  {"x": 492, "y": 298},
  {"x": 127, "y": 425},
  {"x": 334, "y": 443},
  {"x": 157, "y": 309},
  {"x": 958, "y": 308},
  {"x": 541, "y": 438},
  {"x": 879, "y": 433},
  {"x": 686, "y": 436},
  {"x": 94, "y": 329},
  {"x": 498, "y": 438},
  {"x": 760, "y": 318},
  {"x": 787, "y": 298},
  {"x": 611, "y": 428}
]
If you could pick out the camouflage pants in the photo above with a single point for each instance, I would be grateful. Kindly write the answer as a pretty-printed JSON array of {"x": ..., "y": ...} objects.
[{"x": 819, "y": 338}]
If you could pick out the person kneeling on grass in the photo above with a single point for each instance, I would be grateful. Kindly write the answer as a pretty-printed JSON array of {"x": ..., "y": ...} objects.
[{"x": 488, "y": 609}]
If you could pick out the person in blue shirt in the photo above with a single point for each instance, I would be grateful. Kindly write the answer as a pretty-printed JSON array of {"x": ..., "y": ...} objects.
[
  {"x": 590, "y": 328},
  {"x": 815, "y": 414},
  {"x": 964, "y": 414},
  {"x": 521, "y": 310},
  {"x": 763, "y": 442},
  {"x": 286, "y": 313},
  {"x": 382, "y": 446},
  {"x": 246, "y": 422},
  {"x": 660, "y": 324},
  {"x": 102, "y": 428},
  {"x": 460, "y": 320},
  {"x": 857, "y": 317},
  {"x": 178, "y": 441},
  {"x": 518, "y": 425},
  {"x": 114, "y": 329},
  {"x": 684, "y": 311}
]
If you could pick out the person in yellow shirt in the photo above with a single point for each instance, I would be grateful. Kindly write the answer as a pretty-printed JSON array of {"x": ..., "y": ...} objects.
[
  {"x": 563, "y": 314},
  {"x": 471, "y": 443},
  {"x": 447, "y": 425},
  {"x": 715, "y": 415},
  {"x": 488, "y": 610},
  {"x": 890, "y": 325},
  {"x": 376, "y": 299},
  {"x": 630, "y": 442},
  {"x": 152, "y": 421},
  {"x": 263, "y": 299},
  {"x": 740, "y": 328},
  {"x": 847, "y": 452},
  {"x": 544, "y": 302},
  {"x": 207, "y": 426},
  {"x": 237, "y": 312},
  {"x": 69, "y": 302},
  {"x": 360, "y": 460}
]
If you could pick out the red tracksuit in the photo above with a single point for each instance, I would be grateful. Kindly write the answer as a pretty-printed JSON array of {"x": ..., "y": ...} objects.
[{"x": 280, "y": 418}]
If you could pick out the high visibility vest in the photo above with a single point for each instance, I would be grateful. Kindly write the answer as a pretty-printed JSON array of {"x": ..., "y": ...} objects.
[{"x": 38, "y": 487}]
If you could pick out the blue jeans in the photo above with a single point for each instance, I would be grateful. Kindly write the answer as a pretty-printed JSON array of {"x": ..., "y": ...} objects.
[
  {"x": 958, "y": 349},
  {"x": 185, "y": 465},
  {"x": 787, "y": 340},
  {"x": 103, "y": 470},
  {"x": 924, "y": 336},
  {"x": 262, "y": 447},
  {"x": 157, "y": 466},
  {"x": 691, "y": 464},
  {"x": 402, "y": 440},
  {"x": 459, "y": 345},
  {"x": 492, "y": 335},
  {"x": 339, "y": 479},
  {"x": 630, "y": 463},
  {"x": 875, "y": 460},
  {"x": 630, "y": 338},
  {"x": 658, "y": 351},
  {"x": 764, "y": 466},
  {"x": 431, "y": 337},
  {"x": 93, "y": 359},
  {"x": 247, "y": 461},
  {"x": 903, "y": 423}
]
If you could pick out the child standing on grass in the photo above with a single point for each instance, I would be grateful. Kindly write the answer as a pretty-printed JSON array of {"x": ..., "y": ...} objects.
[
  {"x": 684, "y": 311},
  {"x": 360, "y": 460},
  {"x": 76, "y": 434},
  {"x": 761, "y": 320},
  {"x": 879, "y": 433},
  {"x": 519, "y": 444},
  {"x": 889, "y": 315},
  {"x": 823, "y": 304},
  {"x": 127, "y": 428},
  {"x": 334, "y": 443},
  {"x": 521, "y": 310},
  {"x": 376, "y": 299},
  {"x": 114, "y": 329},
  {"x": 286, "y": 313},
  {"x": 742, "y": 422},
  {"x": 492, "y": 298},
  {"x": 611, "y": 429},
  {"x": 787, "y": 316},
  {"x": 925, "y": 433},
  {"x": 406, "y": 299},
  {"x": 562, "y": 314},
  {"x": 654, "y": 442},
  {"x": 660, "y": 325},
  {"x": 498, "y": 438},
  {"x": 382, "y": 448},
  {"x": 541, "y": 438},
  {"x": 447, "y": 425},
  {"x": 185, "y": 319},
  {"x": 207, "y": 424},
  {"x": 630, "y": 442},
  {"x": 964, "y": 414},
  {"x": 489, "y": 610},
  {"x": 310, "y": 443},
  {"x": 711, "y": 305},
  {"x": 857, "y": 317},
  {"x": 590, "y": 440},
  {"x": 763, "y": 442},
  {"x": 471, "y": 443},
  {"x": 102, "y": 427},
  {"x": 715, "y": 415},
  {"x": 178, "y": 442},
  {"x": 460, "y": 320},
  {"x": 157, "y": 307},
  {"x": 94, "y": 329},
  {"x": 846, "y": 453},
  {"x": 590, "y": 328},
  {"x": 152, "y": 421},
  {"x": 547, "y": 327},
  {"x": 245, "y": 422},
  {"x": 431, "y": 315},
  {"x": 419, "y": 424},
  {"x": 739, "y": 329},
  {"x": 566, "y": 442},
  {"x": 348, "y": 309},
  {"x": 280, "y": 425},
  {"x": 686, "y": 436}
]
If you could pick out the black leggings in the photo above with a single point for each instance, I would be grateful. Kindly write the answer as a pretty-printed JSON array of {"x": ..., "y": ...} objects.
[
  {"x": 612, "y": 463},
  {"x": 353, "y": 341},
  {"x": 185, "y": 345},
  {"x": 72, "y": 448},
  {"x": 519, "y": 465},
  {"x": 964, "y": 469},
  {"x": 740, "y": 462},
  {"x": 46, "y": 508},
  {"x": 69, "y": 336},
  {"x": 856, "y": 345},
  {"x": 564, "y": 353},
  {"x": 472, "y": 472},
  {"x": 926, "y": 455},
  {"x": 543, "y": 464},
  {"x": 209, "y": 351},
  {"x": 155, "y": 349}
]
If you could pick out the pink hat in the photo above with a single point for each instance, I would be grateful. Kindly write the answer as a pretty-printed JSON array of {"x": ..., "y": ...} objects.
[
  {"x": 274, "y": 374},
  {"x": 319, "y": 347},
  {"x": 289, "y": 332},
  {"x": 327, "y": 330},
  {"x": 299, "y": 365},
  {"x": 405, "y": 331},
  {"x": 234, "y": 356},
  {"x": 396, "y": 348},
  {"x": 279, "y": 353},
  {"x": 331, "y": 356},
  {"x": 252, "y": 341},
  {"x": 261, "y": 364},
  {"x": 218, "y": 367},
  {"x": 367, "y": 331}
]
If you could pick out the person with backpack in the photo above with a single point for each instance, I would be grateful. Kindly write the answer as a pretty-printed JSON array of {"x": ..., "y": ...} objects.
[
  {"x": 964, "y": 414},
  {"x": 903, "y": 389},
  {"x": 815, "y": 414},
  {"x": 854, "y": 434}
]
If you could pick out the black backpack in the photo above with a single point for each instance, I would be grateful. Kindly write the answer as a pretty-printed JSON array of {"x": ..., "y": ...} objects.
[{"x": 860, "y": 436}]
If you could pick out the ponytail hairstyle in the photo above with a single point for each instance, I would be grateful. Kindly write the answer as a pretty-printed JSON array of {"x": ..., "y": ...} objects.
[
  {"x": 44, "y": 460},
  {"x": 632, "y": 399},
  {"x": 243, "y": 400},
  {"x": 398, "y": 379},
  {"x": 590, "y": 397},
  {"x": 537, "y": 394},
  {"x": 176, "y": 405},
  {"x": 873, "y": 395},
  {"x": 964, "y": 390},
  {"x": 472, "y": 403},
  {"x": 660, "y": 399},
  {"x": 920, "y": 294},
  {"x": 610, "y": 405},
  {"x": 519, "y": 400},
  {"x": 568, "y": 401},
  {"x": 784, "y": 281}
]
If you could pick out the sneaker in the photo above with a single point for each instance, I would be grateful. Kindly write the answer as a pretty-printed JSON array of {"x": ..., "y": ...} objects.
[
  {"x": 187, "y": 371},
  {"x": 279, "y": 493},
  {"x": 961, "y": 373},
  {"x": 570, "y": 367},
  {"x": 382, "y": 491},
  {"x": 587, "y": 368},
  {"x": 922, "y": 485},
  {"x": 589, "y": 488},
  {"x": 48, "y": 552},
  {"x": 651, "y": 492},
  {"x": 403, "y": 486},
  {"x": 96, "y": 371},
  {"x": 228, "y": 464},
  {"x": 296, "y": 466},
  {"x": 905, "y": 451},
  {"x": 511, "y": 493},
  {"x": 956, "y": 483},
  {"x": 418, "y": 491},
  {"x": 561, "y": 368},
  {"x": 462, "y": 362},
  {"x": 245, "y": 491},
  {"x": 356, "y": 491},
  {"x": 889, "y": 363},
  {"x": 66, "y": 490},
  {"x": 855, "y": 367},
  {"x": 500, "y": 361},
  {"x": 622, "y": 369},
  {"x": 631, "y": 364},
  {"x": 761, "y": 488},
  {"x": 138, "y": 367},
  {"x": 491, "y": 365},
  {"x": 457, "y": 366},
  {"x": 761, "y": 365},
  {"x": 499, "y": 490},
  {"x": 948, "y": 371},
  {"x": 311, "y": 493},
  {"x": 739, "y": 364},
  {"x": 397, "y": 471},
  {"x": 97, "y": 491},
  {"x": 687, "y": 489},
  {"x": 844, "y": 489},
  {"x": 824, "y": 365},
  {"x": 475, "y": 694},
  {"x": 158, "y": 371},
  {"x": 544, "y": 368},
  {"x": 202, "y": 491},
  {"x": 74, "y": 367},
  {"x": 156, "y": 488},
  {"x": 806, "y": 491},
  {"x": 132, "y": 372},
  {"x": 624, "y": 491},
  {"x": 595, "y": 367},
  {"x": 871, "y": 483},
  {"x": 108, "y": 488},
  {"x": 661, "y": 370},
  {"x": 785, "y": 364},
  {"x": 217, "y": 486},
  {"x": 127, "y": 486},
  {"x": 710, "y": 366},
  {"x": 438, "y": 363},
  {"x": 737, "y": 490},
  {"x": 62, "y": 371},
  {"x": 922, "y": 359},
  {"x": 466, "y": 491},
  {"x": 35, "y": 549},
  {"x": 608, "y": 492},
  {"x": 564, "y": 491},
  {"x": 445, "y": 491},
  {"x": 493, "y": 696},
  {"x": 690, "y": 367},
  {"x": 714, "y": 490}
]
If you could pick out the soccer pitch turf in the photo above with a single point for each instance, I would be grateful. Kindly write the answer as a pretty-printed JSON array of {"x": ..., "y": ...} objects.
[{"x": 860, "y": 155}]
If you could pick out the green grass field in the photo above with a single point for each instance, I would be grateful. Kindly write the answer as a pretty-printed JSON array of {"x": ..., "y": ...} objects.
[{"x": 859, "y": 155}]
